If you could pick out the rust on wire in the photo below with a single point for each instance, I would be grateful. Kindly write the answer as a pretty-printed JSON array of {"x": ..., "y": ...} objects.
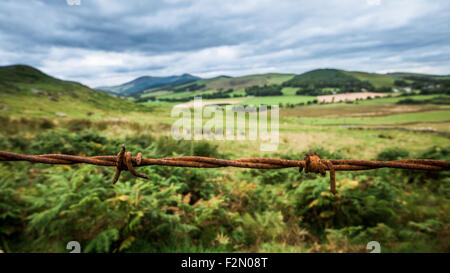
[
  {"x": 311, "y": 163},
  {"x": 124, "y": 162}
]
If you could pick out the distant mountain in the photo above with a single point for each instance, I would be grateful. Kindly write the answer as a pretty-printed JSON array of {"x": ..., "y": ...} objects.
[
  {"x": 412, "y": 76},
  {"x": 147, "y": 82}
]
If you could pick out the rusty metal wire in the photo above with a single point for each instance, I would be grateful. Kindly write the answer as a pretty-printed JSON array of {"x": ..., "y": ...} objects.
[{"x": 311, "y": 163}]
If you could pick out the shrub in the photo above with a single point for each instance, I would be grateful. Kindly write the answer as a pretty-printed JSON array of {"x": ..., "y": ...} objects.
[
  {"x": 187, "y": 209},
  {"x": 395, "y": 153},
  {"x": 77, "y": 125}
]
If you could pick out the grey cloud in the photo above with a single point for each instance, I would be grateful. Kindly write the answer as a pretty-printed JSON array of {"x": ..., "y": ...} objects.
[{"x": 117, "y": 39}]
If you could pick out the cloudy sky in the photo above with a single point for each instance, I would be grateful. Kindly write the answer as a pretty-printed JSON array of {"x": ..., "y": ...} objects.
[{"x": 107, "y": 42}]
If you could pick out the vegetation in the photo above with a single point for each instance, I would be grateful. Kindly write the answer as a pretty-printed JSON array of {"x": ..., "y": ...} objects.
[
  {"x": 43, "y": 207},
  {"x": 377, "y": 80},
  {"x": 314, "y": 81},
  {"x": 272, "y": 100},
  {"x": 189, "y": 87},
  {"x": 383, "y": 89},
  {"x": 263, "y": 91},
  {"x": 433, "y": 87},
  {"x": 430, "y": 116},
  {"x": 214, "y": 95},
  {"x": 27, "y": 91},
  {"x": 445, "y": 100},
  {"x": 400, "y": 83},
  {"x": 427, "y": 84},
  {"x": 139, "y": 85},
  {"x": 238, "y": 84}
]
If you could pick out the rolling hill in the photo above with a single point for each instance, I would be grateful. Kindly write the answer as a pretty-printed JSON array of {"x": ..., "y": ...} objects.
[
  {"x": 26, "y": 91},
  {"x": 336, "y": 79},
  {"x": 341, "y": 79},
  {"x": 245, "y": 81},
  {"x": 322, "y": 77},
  {"x": 377, "y": 80},
  {"x": 207, "y": 86},
  {"x": 409, "y": 75},
  {"x": 20, "y": 85},
  {"x": 147, "y": 82}
]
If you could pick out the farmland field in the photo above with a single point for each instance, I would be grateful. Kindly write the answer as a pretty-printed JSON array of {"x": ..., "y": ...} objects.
[{"x": 271, "y": 100}]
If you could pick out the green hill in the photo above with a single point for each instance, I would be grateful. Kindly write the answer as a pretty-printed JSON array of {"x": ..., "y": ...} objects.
[
  {"x": 333, "y": 77},
  {"x": 322, "y": 78},
  {"x": 413, "y": 76},
  {"x": 326, "y": 81},
  {"x": 26, "y": 91},
  {"x": 377, "y": 80},
  {"x": 237, "y": 83},
  {"x": 208, "y": 86},
  {"x": 313, "y": 83},
  {"x": 408, "y": 74}
]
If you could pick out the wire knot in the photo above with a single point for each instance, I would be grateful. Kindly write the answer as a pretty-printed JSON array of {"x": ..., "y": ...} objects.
[
  {"x": 313, "y": 164},
  {"x": 124, "y": 162}
]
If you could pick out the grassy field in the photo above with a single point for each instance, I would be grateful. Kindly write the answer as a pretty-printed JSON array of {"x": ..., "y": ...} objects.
[
  {"x": 289, "y": 91},
  {"x": 270, "y": 100},
  {"x": 419, "y": 117}
]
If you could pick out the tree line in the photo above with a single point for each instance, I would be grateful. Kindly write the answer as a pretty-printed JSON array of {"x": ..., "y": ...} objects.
[{"x": 265, "y": 90}]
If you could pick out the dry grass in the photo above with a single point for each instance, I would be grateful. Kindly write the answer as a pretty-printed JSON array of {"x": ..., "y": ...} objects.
[{"x": 323, "y": 111}]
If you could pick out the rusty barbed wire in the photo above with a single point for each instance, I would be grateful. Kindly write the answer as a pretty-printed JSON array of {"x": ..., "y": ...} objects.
[{"x": 311, "y": 163}]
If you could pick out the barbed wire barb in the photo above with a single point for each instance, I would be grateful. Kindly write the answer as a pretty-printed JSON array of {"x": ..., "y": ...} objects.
[{"x": 311, "y": 163}]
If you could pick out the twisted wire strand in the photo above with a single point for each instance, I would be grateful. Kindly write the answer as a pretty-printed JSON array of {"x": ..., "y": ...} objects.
[{"x": 124, "y": 161}]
